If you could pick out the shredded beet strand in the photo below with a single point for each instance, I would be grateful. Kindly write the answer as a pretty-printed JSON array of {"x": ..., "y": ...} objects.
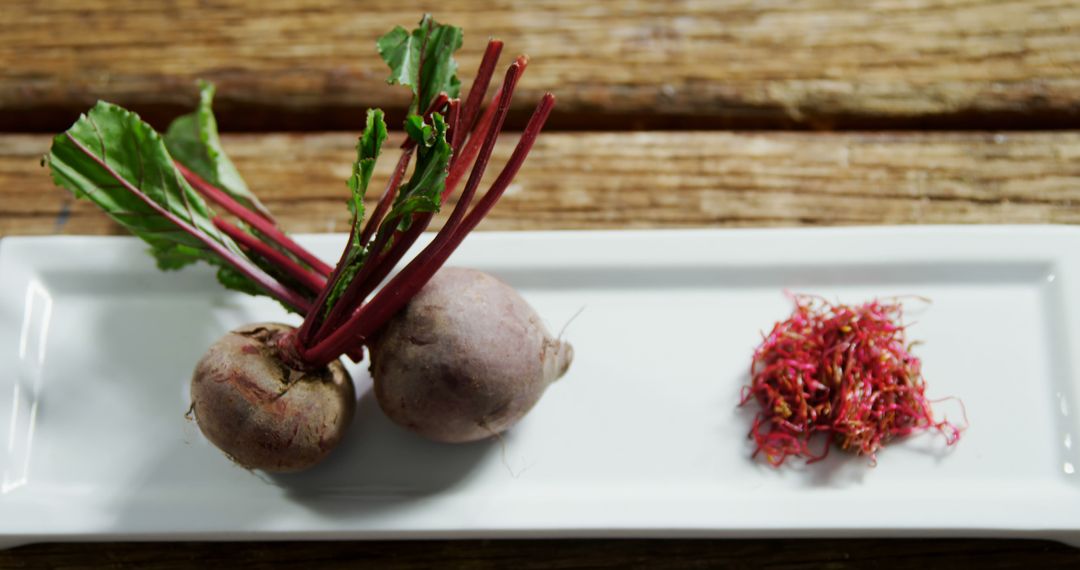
[{"x": 839, "y": 371}]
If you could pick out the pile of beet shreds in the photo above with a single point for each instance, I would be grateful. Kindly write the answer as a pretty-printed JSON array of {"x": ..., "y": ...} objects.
[{"x": 841, "y": 371}]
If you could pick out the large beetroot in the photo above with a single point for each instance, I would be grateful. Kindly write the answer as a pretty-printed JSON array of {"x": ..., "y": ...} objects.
[{"x": 465, "y": 359}]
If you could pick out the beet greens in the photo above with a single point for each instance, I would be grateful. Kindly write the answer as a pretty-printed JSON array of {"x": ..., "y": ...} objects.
[{"x": 161, "y": 189}]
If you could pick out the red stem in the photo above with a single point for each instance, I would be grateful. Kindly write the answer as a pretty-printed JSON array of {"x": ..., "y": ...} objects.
[
  {"x": 402, "y": 243},
  {"x": 395, "y": 180},
  {"x": 453, "y": 110},
  {"x": 244, "y": 266},
  {"x": 478, "y": 91},
  {"x": 387, "y": 198},
  {"x": 406, "y": 284},
  {"x": 311, "y": 319},
  {"x": 256, "y": 221},
  {"x": 200, "y": 184},
  {"x": 521, "y": 151},
  {"x": 437, "y": 103},
  {"x": 385, "y": 263},
  {"x": 314, "y": 320},
  {"x": 459, "y": 162},
  {"x": 487, "y": 147},
  {"x": 308, "y": 279},
  {"x": 354, "y": 294},
  {"x": 377, "y": 268}
]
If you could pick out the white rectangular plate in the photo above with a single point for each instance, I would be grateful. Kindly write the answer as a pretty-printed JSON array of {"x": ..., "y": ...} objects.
[{"x": 642, "y": 438}]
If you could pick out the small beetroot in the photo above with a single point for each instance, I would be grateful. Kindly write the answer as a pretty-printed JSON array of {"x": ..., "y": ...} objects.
[{"x": 266, "y": 414}]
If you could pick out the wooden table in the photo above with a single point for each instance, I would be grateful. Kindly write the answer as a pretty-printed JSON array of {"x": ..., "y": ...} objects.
[{"x": 720, "y": 114}]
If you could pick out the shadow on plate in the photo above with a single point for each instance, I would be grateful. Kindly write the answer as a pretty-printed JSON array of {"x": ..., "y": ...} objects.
[
  {"x": 380, "y": 465},
  {"x": 377, "y": 467}
]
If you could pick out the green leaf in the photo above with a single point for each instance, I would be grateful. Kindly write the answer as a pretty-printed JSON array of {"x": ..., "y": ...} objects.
[
  {"x": 367, "y": 152},
  {"x": 175, "y": 258},
  {"x": 193, "y": 140},
  {"x": 233, "y": 279},
  {"x": 345, "y": 276},
  {"x": 418, "y": 130},
  {"x": 423, "y": 191},
  {"x": 401, "y": 52},
  {"x": 136, "y": 154},
  {"x": 423, "y": 60}
]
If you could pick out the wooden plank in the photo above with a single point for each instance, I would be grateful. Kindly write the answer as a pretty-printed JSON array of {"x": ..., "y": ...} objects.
[
  {"x": 697, "y": 64},
  {"x": 648, "y": 180},
  {"x": 523, "y": 554}
]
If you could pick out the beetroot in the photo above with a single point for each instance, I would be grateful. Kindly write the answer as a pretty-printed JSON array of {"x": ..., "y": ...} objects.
[
  {"x": 265, "y": 414},
  {"x": 465, "y": 359}
]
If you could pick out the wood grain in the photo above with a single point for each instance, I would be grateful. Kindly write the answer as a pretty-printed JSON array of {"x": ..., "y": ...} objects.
[
  {"x": 648, "y": 180},
  {"x": 833, "y": 554},
  {"x": 289, "y": 65}
]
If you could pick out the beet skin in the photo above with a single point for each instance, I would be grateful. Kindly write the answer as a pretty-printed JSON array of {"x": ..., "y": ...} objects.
[
  {"x": 264, "y": 413},
  {"x": 465, "y": 359}
]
